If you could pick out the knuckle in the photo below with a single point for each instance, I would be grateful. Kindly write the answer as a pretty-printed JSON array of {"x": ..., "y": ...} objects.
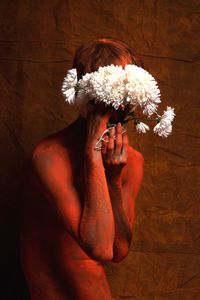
[
  {"x": 115, "y": 161},
  {"x": 119, "y": 130},
  {"x": 110, "y": 146},
  {"x": 118, "y": 142},
  {"x": 125, "y": 141},
  {"x": 112, "y": 132},
  {"x": 124, "y": 161}
]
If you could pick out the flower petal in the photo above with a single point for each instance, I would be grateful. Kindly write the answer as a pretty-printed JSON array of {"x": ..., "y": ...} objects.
[
  {"x": 68, "y": 86},
  {"x": 142, "y": 127}
]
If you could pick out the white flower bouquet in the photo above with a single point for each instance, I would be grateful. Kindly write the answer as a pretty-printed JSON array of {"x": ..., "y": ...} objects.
[{"x": 130, "y": 87}]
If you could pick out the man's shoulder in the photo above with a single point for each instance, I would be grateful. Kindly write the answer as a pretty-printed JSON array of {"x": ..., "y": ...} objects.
[
  {"x": 133, "y": 171},
  {"x": 134, "y": 167},
  {"x": 48, "y": 152},
  {"x": 135, "y": 156}
]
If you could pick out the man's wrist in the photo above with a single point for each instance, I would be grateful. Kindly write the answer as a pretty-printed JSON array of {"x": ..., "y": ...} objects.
[
  {"x": 91, "y": 154},
  {"x": 114, "y": 180}
]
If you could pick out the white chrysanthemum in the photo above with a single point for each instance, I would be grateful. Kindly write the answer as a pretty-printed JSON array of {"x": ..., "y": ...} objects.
[
  {"x": 117, "y": 86},
  {"x": 168, "y": 115},
  {"x": 142, "y": 89},
  {"x": 164, "y": 127},
  {"x": 142, "y": 127},
  {"x": 150, "y": 109},
  {"x": 68, "y": 86},
  {"x": 106, "y": 84},
  {"x": 163, "y": 130}
]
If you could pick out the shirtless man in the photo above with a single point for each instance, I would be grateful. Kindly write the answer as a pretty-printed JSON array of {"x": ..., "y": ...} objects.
[{"x": 78, "y": 209}]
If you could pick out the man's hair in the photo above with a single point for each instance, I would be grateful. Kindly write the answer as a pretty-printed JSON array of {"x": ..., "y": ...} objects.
[{"x": 103, "y": 52}]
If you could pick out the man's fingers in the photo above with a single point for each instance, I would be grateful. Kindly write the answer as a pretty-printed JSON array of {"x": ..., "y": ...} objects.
[
  {"x": 118, "y": 141},
  {"x": 104, "y": 145},
  {"x": 110, "y": 146},
  {"x": 124, "y": 153},
  {"x": 115, "y": 146}
]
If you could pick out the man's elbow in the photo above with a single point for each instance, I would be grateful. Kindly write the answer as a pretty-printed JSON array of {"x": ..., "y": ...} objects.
[
  {"x": 120, "y": 252},
  {"x": 100, "y": 248},
  {"x": 100, "y": 254}
]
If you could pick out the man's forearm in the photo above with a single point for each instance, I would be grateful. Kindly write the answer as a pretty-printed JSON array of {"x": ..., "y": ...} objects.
[
  {"x": 97, "y": 228},
  {"x": 123, "y": 232}
]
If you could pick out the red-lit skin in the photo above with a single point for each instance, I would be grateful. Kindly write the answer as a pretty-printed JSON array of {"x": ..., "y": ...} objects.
[{"x": 86, "y": 214}]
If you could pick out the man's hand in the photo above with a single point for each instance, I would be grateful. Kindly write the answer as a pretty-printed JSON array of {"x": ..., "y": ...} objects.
[
  {"x": 114, "y": 151},
  {"x": 97, "y": 121}
]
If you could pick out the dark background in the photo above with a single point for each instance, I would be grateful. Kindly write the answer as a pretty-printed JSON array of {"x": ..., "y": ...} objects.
[{"x": 37, "y": 43}]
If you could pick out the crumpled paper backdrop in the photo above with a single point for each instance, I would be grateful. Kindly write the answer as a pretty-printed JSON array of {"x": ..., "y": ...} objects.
[{"x": 38, "y": 40}]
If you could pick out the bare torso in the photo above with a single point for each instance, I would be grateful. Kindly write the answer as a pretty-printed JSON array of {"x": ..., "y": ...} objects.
[{"x": 55, "y": 266}]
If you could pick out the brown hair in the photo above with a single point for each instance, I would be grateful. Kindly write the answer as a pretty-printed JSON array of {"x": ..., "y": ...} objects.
[{"x": 102, "y": 52}]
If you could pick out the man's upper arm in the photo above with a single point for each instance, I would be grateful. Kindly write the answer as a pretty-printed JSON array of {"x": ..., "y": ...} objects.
[
  {"x": 132, "y": 183},
  {"x": 53, "y": 171}
]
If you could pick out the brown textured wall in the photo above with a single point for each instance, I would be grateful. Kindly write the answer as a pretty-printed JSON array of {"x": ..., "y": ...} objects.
[{"x": 38, "y": 39}]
